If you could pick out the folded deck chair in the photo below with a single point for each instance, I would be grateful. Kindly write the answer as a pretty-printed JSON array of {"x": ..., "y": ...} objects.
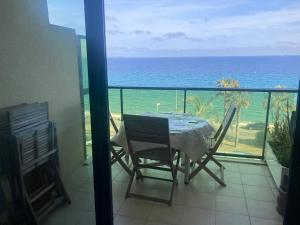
[
  {"x": 215, "y": 143},
  {"x": 117, "y": 151},
  {"x": 148, "y": 138}
]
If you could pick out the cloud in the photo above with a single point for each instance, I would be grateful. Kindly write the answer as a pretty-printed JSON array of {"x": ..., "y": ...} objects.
[
  {"x": 219, "y": 26},
  {"x": 158, "y": 39},
  {"x": 172, "y": 35},
  {"x": 114, "y": 31},
  {"x": 142, "y": 32},
  {"x": 109, "y": 18},
  {"x": 176, "y": 35}
]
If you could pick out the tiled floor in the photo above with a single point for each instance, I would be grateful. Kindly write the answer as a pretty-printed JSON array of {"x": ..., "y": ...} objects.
[{"x": 248, "y": 199}]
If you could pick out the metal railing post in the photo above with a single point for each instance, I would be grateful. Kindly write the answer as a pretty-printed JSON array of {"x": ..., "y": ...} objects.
[
  {"x": 184, "y": 101},
  {"x": 122, "y": 103},
  {"x": 82, "y": 95},
  {"x": 267, "y": 124}
]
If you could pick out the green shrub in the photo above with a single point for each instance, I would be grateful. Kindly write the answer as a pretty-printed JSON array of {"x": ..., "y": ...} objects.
[
  {"x": 259, "y": 138},
  {"x": 281, "y": 141}
]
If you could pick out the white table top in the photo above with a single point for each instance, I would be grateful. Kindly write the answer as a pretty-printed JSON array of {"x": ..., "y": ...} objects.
[{"x": 188, "y": 134}]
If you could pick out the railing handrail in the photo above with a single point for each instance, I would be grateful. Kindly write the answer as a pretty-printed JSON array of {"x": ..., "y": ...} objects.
[
  {"x": 269, "y": 91},
  {"x": 265, "y": 90}
]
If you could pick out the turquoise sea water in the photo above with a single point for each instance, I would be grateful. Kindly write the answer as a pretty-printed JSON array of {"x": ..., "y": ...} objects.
[{"x": 250, "y": 72}]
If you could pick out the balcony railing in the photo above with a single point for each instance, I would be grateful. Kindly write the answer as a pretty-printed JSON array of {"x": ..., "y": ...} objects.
[{"x": 248, "y": 134}]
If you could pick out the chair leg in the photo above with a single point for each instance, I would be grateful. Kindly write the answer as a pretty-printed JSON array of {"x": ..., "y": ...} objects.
[
  {"x": 174, "y": 175},
  {"x": 222, "y": 168},
  {"x": 130, "y": 183},
  {"x": 217, "y": 162},
  {"x": 196, "y": 171},
  {"x": 202, "y": 165},
  {"x": 172, "y": 192},
  {"x": 120, "y": 161},
  {"x": 177, "y": 164},
  {"x": 186, "y": 169},
  {"x": 219, "y": 180},
  {"x": 222, "y": 172}
]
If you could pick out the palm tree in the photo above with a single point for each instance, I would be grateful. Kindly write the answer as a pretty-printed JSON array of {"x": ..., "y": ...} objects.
[
  {"x": 226, "y": 83},
  {"x": 280, "y": 104},
  {"x": 201, "y": 107},
  {"x": 240, "y": 99}
]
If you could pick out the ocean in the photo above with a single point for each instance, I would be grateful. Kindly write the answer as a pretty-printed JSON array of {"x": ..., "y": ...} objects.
[
  {"x": 205, "y": 71},
  {"x": 250, "y": 72}
]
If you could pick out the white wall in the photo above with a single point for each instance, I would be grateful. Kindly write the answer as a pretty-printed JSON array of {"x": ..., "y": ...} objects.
[{"x": 38, "y": 62}]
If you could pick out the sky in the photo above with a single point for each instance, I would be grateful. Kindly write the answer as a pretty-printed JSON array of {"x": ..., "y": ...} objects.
[{"x": 167, "y": 28}]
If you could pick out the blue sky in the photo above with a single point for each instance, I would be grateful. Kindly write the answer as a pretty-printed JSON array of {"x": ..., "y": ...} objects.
[{"x": 157, "y": 28}]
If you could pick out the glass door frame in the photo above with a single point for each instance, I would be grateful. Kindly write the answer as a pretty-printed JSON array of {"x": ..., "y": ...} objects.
[{"x": 98, "y": 90}]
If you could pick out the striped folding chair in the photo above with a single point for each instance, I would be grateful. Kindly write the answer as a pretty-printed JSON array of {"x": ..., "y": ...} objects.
[
  {"x": 215, "y": 143},
  {"x": 118, "y": 153}
]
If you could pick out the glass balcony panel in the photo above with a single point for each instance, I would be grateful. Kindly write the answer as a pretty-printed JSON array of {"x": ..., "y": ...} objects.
[
  {"x": 140, "y": 101},
  {"x": 246, "y": 133}
]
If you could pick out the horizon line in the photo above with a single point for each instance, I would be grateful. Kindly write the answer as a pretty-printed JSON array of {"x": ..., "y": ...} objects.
[{"x": 204, "y": 56}]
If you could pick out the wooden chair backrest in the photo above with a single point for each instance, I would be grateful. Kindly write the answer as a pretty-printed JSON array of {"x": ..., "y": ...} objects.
[
  {"x": 147, "y": 129},
  {"x": 220, "y": 134},
  {"x": 111, "y": 119},
  {"x": 4, "y": 118},
  {"x": 35, "y": 144},
  {"x": 28, "y": 115}
]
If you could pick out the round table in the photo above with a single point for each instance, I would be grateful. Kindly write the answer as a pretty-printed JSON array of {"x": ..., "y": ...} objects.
[{"x": 188, "y": 133}]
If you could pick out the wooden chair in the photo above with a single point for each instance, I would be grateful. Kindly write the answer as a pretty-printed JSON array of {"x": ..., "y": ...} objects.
[
  {"x": 215, "y": 142},
  {"x": 37, "y": 171},
  {"x": 118, "y": 153},
  {"x": 150, "y": 131},
  {"x": 31, "y": 145}
]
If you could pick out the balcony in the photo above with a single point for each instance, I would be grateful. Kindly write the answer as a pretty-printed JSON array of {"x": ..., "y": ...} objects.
[
  {"x": 251, "y": 192},
  {"x": 248, "y": 198}
]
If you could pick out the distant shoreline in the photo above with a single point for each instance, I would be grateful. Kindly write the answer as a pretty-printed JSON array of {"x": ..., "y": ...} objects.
[{"x": 204, "y": 56}]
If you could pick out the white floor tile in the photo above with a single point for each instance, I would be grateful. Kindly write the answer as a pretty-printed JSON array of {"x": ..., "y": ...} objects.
[
  {"x": 254, "y": 169},
  {"x": 119, "y": 188},
  {"x": 196, "y": 216},
  {"x": 166, "y": 214},
  {"x": 87, "y": 218},
  {"x": 231, "y": 167},
  {"x": 231, "y": 205},
  {"x": 123, "y": 220},
  {"x": 157, "y": 223},
  {"x": 205, "y": 186},
  {"x": 201, "y": 200},
  {"x": 255, "y": 180},
  {"x": 117, "y": 202},
  {"x": 261, "y": 209},
  {"x": 234, "y": 190},
  {"x": 138, "y": 209},
  {"x": 232, "y": 177},
  {"x": 259, "y": 221},
  {"x": 82, "y": 201},
  {"x": 231, "y": 219},
  {"x": 65, "y": 216},
  {"x": 259, "y": 193}
]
